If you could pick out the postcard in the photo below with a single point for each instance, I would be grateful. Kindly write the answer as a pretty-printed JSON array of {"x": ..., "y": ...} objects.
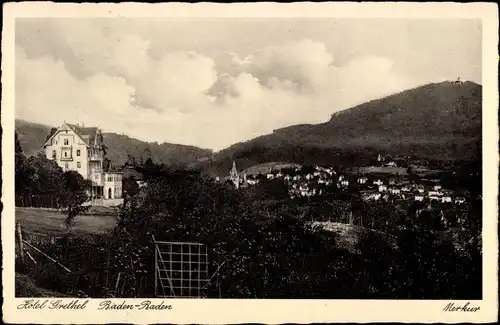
[{"x": 249, "y": 163}]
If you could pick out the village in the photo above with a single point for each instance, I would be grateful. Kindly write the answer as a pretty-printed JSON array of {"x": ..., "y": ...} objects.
[{"x": 371, "y": 187}]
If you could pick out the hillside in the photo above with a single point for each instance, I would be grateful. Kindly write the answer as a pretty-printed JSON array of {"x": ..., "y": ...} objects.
[
  {"x": 32, "y": 136},
  {"x": 435, "y": 121},
  {"x": 270, "y": 166}
]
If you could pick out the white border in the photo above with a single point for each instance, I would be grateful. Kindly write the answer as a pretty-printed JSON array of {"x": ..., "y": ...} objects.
[{"x": 213, "y": 311}]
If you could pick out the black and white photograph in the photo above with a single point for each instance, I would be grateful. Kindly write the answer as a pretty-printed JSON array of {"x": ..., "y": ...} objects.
[{"x": 249, "y": 158}]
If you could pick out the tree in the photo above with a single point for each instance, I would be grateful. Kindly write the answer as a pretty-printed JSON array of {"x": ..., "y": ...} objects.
[
  {"x": 130, "y": 187},
  {"x": 47, "y": 176},
  {"x": 147, "y": 156},
  {"x": 376, "y": 264},
  {"x": 130, "y": 161},
  {"x": 76, "y": 195},
  {"x": 275, "y": 189},
  {"x": 23, "y": 172},
  {"x": 262, "y": 256}
]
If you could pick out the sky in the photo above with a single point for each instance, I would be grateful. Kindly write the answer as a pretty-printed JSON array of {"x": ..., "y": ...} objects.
[{"x": 214, "y": 82}]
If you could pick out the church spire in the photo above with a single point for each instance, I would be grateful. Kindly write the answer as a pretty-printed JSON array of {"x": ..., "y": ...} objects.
[{"x": 234, "y": 176}]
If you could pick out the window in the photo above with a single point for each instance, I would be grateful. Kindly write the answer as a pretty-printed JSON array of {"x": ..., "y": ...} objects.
[
  {"x": 65, "y": 154},
  {"x": 78, "y": 153},
  {"x": 54, "y": 154},
  {"x": 66, "y": 166},
  {"x": 78, "y": 165},
  {"x": 66, "y": 142}
]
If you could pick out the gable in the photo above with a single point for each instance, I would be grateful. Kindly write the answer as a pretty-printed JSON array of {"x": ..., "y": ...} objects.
[{"x": 65, "y": 128}]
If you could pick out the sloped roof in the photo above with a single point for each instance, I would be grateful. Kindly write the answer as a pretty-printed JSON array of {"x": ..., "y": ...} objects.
[
  {"x": 52, "y": 131},
  {"x": 129, "y": 172},
  {"x": 88, "y": 134}
]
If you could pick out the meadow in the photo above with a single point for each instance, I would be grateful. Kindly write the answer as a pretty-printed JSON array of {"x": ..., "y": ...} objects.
[{"x": 51, "y": 222}]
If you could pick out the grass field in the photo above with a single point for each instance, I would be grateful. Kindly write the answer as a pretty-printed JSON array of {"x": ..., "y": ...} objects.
[
  {"x": 402, "y": 171},
  {"x": 51, "y": 222},
  {"x": 380, "y": 170},
  {"x": 264, "y": 168}
]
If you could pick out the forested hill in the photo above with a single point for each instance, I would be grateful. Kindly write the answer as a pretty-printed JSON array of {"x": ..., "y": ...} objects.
[
  {"x": 120, "y": 147},
  {"x": 435, "y": 121}
]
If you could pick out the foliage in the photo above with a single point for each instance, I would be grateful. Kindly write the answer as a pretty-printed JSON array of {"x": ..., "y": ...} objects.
[
  {"x": 23, "y": 171},
  {"x": 47, "y": 177},
  {"x": 268, "y": 190},
  {"x": 40, "y": 176},
  {"x": 269, "y": 255},
  {"x": 76, "y": 195},
  {"x": 130, "y": 187}
]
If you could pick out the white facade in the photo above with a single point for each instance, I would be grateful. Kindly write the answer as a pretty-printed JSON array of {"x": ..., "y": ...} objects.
[
  {"x": 81, "y": 149},
  {"x": 113, "y": 185},
  {"x": 445, "y": 199},
  {"x": 69, "y": 151}
]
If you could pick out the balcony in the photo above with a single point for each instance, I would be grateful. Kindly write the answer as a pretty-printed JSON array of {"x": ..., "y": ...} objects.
[
  {"x": 96, "y": 155},
  {"x": 96, "y": 177}
]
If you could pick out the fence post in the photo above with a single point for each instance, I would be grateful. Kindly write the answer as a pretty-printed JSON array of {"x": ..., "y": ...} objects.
[{"x": 20, "y": 239}]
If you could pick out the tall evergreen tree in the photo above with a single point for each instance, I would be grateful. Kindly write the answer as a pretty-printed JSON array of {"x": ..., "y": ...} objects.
[{"x": 23, "y": 172}]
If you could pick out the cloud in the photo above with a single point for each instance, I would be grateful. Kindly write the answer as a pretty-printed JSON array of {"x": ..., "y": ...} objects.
[
  {"x": 304, "y": 63},
  {"x": 188, "y": 97}
]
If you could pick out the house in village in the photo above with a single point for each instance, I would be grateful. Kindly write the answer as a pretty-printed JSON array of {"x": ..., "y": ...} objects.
[
  {"x": 406, "y": 188},
  {"x": 130, "y": 172},
  {"x": 81, "y": 149},
  {"x": 371, "y": 196},
  {"x": 394, "y": 191},
  {"x": 435, "y": 194},
  {"x": 446, "y": 199},
  {"x": 362, "y": 180},
  {"x": 382, "y": 188}
]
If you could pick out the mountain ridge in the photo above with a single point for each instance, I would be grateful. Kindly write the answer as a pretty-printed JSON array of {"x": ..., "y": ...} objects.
[
  {"x": 436, "y": 121},
  {"x": 32, "y": 136}
]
